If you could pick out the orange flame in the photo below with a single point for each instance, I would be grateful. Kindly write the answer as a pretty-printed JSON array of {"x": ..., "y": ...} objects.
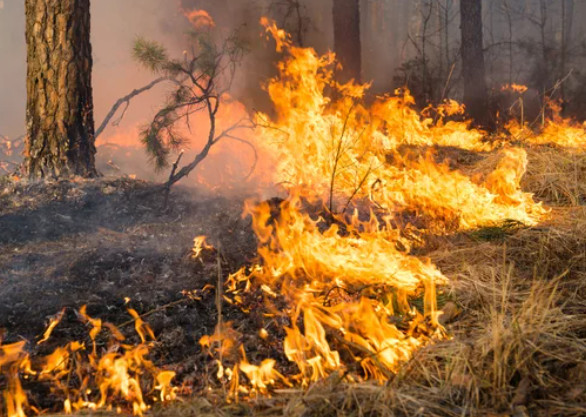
[
  {"x": 346, "y": 276},
  {"x": 104, "y": 379},
  {"x": 200, "y": 19}
]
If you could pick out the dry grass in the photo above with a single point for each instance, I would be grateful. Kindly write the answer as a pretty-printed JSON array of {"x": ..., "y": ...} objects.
[
  {"x": 557, "y": 176},
  {"x": 518, "y": 348}
]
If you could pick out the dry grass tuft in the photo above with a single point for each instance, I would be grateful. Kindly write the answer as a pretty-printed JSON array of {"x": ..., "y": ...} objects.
[{"x": 556, "y": 176}]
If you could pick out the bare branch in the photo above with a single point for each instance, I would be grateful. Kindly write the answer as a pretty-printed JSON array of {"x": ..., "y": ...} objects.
[
  {"x": 168, "y": 185},
  {"x": 228, "y": 136},
  {"x": 126, "y": 100}
]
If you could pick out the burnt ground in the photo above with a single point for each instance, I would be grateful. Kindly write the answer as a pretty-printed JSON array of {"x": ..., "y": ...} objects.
[{"x": 95, "y": 242}]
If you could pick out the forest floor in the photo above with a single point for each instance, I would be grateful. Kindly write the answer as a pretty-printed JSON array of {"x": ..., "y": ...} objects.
[{"x": 517, "y": 319}]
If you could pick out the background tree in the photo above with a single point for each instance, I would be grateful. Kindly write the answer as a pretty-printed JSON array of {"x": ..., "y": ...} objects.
[
  {"x": 293, "y": 17},
  {"x": 59, "y": 116},
  {"x": 347, "y": 38},
  {"x": 473, "y": 70}
]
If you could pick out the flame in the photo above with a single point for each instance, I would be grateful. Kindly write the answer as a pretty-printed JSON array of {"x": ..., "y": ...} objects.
[
  {"x": 13, "y": 361},
  {"x": 53, "y": 322},
  {"x": 564, "y": 133},
  {"x": 334, "y": 267},
  {"x": 516, "y": 88},
  {"x": 335, "y": 250},
  {"x": 89, "y": 380},
  {"x": 261, "y": 377},
  {"x": 199, "y": 244},
  {"x": 339, "y": 149},
  {"x": 307, "y": 264},
  {"x": 224, "y": 341},
  {"x": 200, "y": 19},
  {"x": 556, "y": 131}
]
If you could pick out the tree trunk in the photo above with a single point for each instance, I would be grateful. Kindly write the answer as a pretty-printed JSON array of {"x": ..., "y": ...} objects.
[
  {"x": 347, "y": 39},
  {"x": 59, "y": 117},
  {"x": 475, "y": 90}
]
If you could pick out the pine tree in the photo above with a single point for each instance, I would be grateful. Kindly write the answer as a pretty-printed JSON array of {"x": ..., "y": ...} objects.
[{"x": 59, "y": 117}]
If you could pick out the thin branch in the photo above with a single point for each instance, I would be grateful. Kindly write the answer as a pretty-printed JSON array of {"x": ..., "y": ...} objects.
[
  {"x": 126, "y": 99},
  {"x": 338, "y": 156},
  {"x": 212, "y": 140},
  {"x": 168, "y": 185},
  {"x": 228, "y": 136}
]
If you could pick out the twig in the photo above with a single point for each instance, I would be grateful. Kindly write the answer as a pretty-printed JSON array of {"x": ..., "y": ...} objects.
[
  {"x": 168, "y": 184},
  {"x": 357, "y": 188},
  {"x": 448, "y": 80},
  {"x": 253, "y": 150},
  {"x": 338, "y": 156},
  {"x": 219, "y": 295}
]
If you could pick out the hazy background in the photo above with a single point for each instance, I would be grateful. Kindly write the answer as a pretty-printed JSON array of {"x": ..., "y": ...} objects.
[
  {"x": 116, "y": 23},
  {"x": 401, "y": 39}
]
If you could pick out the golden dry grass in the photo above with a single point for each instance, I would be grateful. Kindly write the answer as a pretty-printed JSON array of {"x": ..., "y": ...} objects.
[{"x": 556, "y": 176}]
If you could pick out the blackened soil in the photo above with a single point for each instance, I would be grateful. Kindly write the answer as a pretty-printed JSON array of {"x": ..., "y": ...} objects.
[{"x": 95, "y": 242}]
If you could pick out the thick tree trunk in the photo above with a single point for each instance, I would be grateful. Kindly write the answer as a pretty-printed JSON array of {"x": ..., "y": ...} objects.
[
  {"x": 347, "y": 38},
  {"x": 475, "y": 90},
  {"x": 60, "y": 123}
]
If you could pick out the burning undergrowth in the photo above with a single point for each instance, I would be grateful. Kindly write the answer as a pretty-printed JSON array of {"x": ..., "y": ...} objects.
[{"x": 349, "y": 283}]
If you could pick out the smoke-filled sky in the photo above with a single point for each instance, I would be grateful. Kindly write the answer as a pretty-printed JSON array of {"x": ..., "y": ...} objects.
[
  {"x": 392, "y": 31},
  {"x": 115, "y": 24}
]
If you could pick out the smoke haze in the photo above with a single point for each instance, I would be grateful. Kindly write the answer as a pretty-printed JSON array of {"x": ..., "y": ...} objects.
[
  {"x": 115, "y": 25},
  {"x": 414, "y": 43}
]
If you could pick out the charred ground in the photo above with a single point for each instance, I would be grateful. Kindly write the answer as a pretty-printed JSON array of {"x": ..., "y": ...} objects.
[{"x": 96, "y": 242}]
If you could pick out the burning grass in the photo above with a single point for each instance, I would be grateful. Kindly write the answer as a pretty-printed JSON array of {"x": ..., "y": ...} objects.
[
  {"x": 385, "y": 282},
  {"x": 515, "y": 316}
]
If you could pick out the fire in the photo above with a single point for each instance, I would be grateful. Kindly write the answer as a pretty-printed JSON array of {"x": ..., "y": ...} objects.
[
  {"x": 556, "y": 131},
  {"x": 54, "y": 321},
  {"x": 339, "y": 149},
  {"x": 308, "y": 265},
  {"x": 334, "y": 268},
  {"x": 333, "y": 255},
  {"x": 516, "y": 88},
  {"x": 95, "y": 379},
  {"x": 13, "y": 361},
  {"x": 199, "y": 18},
  {"x": 199, "y": 244}
]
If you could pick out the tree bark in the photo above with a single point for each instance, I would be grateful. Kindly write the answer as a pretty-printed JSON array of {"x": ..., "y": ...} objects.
[
  {"x": 59, "y": 117},
  {"x": 473, "y": 70},
  {"x": 347, "y": 39}
]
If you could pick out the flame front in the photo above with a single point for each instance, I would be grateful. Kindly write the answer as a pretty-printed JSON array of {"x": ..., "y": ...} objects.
[
  {"x": 339, "y": 149},
  {"x": 334, "y": 258}
]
